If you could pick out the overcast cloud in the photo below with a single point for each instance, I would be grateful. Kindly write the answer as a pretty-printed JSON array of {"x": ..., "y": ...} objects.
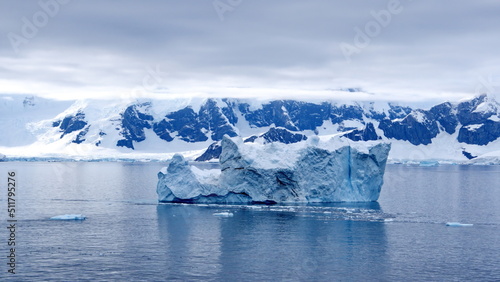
[{"x": 415, "y": 51}]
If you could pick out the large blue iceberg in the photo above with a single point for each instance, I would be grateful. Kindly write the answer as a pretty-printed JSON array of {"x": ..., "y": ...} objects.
[{"x": 312, "y": 171}]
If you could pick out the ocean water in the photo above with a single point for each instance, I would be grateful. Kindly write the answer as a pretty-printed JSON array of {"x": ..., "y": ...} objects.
[{"x": 129, "y": 236}]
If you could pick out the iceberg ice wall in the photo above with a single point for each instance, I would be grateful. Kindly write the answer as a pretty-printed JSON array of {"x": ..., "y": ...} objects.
[{"x": 310, "y": 171}]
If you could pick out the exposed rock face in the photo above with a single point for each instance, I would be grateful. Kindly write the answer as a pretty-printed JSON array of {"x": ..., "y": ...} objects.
[
  {"x": 71, "y": 123},
  {"x": 191, "y": 126},
  {"x": 213, "y": 152},
  {"x": 274, "y": 134},
  {"x": 276, "y": 172},
  {"x": 282, "y": 135},
  {"x": 134, "y": 121},
  {"x": 368, "y": 133},
  {"x": 480, "y": 134}
]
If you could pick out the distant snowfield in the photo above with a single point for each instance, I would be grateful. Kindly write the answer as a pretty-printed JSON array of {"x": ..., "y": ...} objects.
[
  {"x": 442, "y": 147},
  {"x": 28, "y": 134}
]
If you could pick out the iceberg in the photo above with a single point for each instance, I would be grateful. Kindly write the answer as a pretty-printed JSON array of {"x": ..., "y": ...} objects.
[{"x": 303, "y": 172}]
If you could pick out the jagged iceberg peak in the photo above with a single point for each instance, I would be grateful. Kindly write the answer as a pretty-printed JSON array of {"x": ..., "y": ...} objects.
[{"x": 307, "y": 171}]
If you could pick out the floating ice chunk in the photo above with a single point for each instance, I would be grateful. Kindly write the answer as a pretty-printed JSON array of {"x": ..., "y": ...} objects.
[
  {"x": 224, "y": 214},
  {"x": 429, "y": 163},
  {"x": 278, "y": 173},
  {"x": 458, "y": 224},
  {"x": 69, "y": 217}
]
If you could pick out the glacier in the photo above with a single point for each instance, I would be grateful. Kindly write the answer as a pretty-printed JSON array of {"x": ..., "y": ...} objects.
[{"x": 309, "y": 171}]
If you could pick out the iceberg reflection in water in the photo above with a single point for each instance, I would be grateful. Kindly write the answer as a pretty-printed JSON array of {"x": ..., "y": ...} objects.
[{"x": 283, "y": 242}]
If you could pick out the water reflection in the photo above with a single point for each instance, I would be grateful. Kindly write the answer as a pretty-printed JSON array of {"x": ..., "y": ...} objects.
[
  {"x": 191, "y": 238},
  {"x": 308, "y": 242}
]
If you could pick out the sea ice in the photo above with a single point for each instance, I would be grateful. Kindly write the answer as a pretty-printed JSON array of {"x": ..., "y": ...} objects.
[
  {"x": 69, "y": 217},
  {"x": 458, "y": 224},
  {"x": 429, "y": 163},
  {"x": 224, "y": 214}
]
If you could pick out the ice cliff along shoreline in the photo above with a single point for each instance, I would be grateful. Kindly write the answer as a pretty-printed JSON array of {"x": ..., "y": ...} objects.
[{"x": 307, "y": 171}]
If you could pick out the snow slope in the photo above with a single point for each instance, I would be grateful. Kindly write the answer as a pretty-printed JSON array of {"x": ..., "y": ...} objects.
[{"x": 466, "y": 131}]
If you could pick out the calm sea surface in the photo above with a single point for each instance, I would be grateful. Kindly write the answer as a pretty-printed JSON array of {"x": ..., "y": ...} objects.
[{"x": 128, "y": 236}]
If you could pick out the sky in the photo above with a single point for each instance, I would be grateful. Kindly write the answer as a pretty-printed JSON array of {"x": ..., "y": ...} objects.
[{"x": 389, "y": 50}]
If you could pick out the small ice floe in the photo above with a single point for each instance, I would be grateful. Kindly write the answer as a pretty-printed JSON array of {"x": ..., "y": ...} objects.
[
  {"x": 69, "y": 217},
  {"x": 224, "y": 214},
  {"x": 458, "y": 224}
]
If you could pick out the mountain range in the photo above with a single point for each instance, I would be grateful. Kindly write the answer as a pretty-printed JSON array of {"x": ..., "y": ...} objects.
[{"x": 463, "y": 131}]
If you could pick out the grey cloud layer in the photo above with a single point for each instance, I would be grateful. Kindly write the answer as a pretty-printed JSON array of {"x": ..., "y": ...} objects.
[{"x": 430, "y": 46}]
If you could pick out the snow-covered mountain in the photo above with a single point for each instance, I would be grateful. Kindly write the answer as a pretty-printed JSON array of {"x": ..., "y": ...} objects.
[{"x": 465, "y": 131}]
